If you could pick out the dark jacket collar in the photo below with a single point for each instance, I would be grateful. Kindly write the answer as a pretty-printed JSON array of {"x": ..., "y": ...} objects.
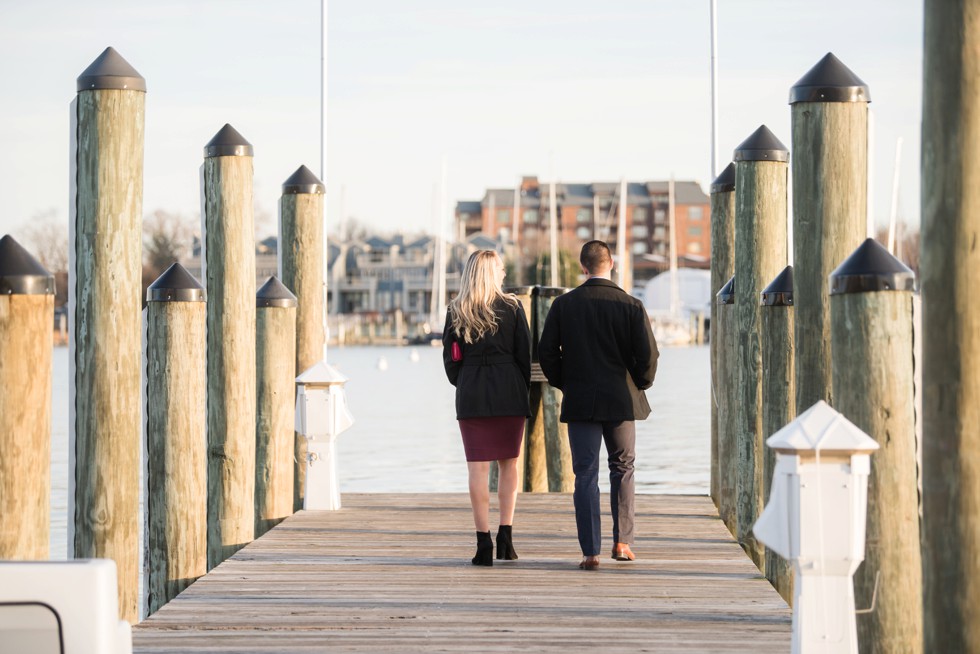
[{"x": 600, "y": 281}]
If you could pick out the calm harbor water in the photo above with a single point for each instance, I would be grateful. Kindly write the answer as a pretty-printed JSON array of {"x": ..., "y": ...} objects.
[{"x": 405, "y": 437}]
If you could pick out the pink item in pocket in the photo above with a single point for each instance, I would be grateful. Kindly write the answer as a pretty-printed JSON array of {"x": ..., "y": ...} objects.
[{"x": 457, "y": 353}]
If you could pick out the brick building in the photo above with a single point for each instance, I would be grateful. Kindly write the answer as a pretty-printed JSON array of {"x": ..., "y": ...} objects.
[{"x": 590, "y": 210}]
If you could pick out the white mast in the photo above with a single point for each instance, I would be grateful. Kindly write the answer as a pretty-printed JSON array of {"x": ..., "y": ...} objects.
[
  {"x": 323, "y": 164},
  {"x": 621, "y": 263},
  {"x": 442, "y": 213},
  {"x": 515, "y": 238},
  {"x": 894, "y": 210},
  {"x": 714, "y": 89},
  {"x": 672, "y": 226},
  {"x": 553, "y": 224}
]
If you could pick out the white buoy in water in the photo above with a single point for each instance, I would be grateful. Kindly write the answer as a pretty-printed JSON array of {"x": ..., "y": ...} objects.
[
  {"x": 382, "y": 363},
  {"x": 414, "y": 356}
]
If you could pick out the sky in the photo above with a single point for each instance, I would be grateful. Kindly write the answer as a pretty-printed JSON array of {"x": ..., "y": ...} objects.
[{"x": 566, "y": 89}]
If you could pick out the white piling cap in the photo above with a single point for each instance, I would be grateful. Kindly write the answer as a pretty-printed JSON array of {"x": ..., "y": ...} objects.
[
  {"x": 821, "y": 428},
  {"x": 321, "y": 373}
]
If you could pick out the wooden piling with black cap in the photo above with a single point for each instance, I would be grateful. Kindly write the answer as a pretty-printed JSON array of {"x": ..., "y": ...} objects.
[
  {"x": 107, "y": 122},
  {"x": 722, "y": 268},
  {"x": 275, "y": 385},
  {"x": 558, "y": 454},
  {"x": 830, "y": 180},
  {"x": 724, "y": 315},
  {"x": 778, "y": 398},
  {"x": 871, "y": 342},
  {"x": 26, "y": 334},
  {"x": 301, "y": 254},
  {"x": 229, "y": 273},
  {"x": 176, "y": 438},
  {"x": 761, "y": 163}
]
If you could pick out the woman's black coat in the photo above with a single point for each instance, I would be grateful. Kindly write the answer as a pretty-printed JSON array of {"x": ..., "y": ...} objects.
[{"x": 494, "y": 376}]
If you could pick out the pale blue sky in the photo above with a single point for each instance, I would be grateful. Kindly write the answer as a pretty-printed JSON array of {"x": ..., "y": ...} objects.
[{"x": 612, "y": 89}]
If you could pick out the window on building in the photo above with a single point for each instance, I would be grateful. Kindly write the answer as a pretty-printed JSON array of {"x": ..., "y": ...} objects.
[
  {"x": 584, "y": 233},
  {"x": 695, "y": 213},
  {"x": 694, "y": 247},
  {"x": 640, "y": 231},
  {"x": 694, "y": 231},
  {"x": 659, "y": 233},
  {"x": 639, "y": 247},
  {"x": 503, "y": 215},
  {"x": 659, "y": 215},
  {"x": 583, "y": 216},
  {"x": 531, "y": 217},
  {"x": 639, "y": 214}
]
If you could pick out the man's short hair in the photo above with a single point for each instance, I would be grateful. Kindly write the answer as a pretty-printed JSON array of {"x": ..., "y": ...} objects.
[{"x": 595, "y": 256}]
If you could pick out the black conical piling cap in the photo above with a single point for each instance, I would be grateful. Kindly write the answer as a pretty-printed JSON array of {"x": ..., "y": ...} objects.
[
  {"x": 761, "y": 146},
  {"x": 274, "y": 294},
  {"x": 110, "y": 71},
  {"x": 550, "y": 291},
  {"x": 779, "y": 293},
  {"x": 830, "y": 81},
  {"x": 175, "y": 285},
  {"x": 20, "y": 272},
  {"x": 302, "y": 181},
  {"x": 727, "y": 293},
  {"x": 228, "y": 143},
  {"x": 725, "y": 182},
  {"x": 871, "y": 268}
]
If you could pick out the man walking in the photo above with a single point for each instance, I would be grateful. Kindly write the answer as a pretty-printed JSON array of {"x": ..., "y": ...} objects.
[{"x": 597, "y": 346}]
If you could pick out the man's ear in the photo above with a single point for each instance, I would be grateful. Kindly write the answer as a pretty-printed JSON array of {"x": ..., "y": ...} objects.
[{"x": 584, "y": 270}]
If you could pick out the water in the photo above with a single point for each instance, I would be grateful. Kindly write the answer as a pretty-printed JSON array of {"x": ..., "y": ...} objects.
[{"x": 405, "y": 437}]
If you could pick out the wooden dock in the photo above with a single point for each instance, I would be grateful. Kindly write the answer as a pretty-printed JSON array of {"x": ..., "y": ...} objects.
[{"x": 391, "y": 572}]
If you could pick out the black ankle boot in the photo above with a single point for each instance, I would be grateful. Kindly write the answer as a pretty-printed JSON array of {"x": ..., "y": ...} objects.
[
  {"x": 484, "y": 549},
  {"x": 505, "y": 544}
]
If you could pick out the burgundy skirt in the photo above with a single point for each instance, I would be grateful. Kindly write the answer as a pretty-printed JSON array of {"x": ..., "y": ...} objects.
[{"x": 492, "y": 439}]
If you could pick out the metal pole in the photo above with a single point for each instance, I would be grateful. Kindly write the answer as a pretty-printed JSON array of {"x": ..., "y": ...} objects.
[
  {"x": 714, "y": 88},
  {"x": 553, "y": 226},
  {"x": 323, "y": 164}
]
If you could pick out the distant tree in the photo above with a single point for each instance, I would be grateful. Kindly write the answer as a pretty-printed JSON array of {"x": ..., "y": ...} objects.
[
  {"x": 166, "y": 239},
  {"x": 46, "y": 238},
  {"x": 350, "y": 229},
  {"x": 907, "y": 244}
]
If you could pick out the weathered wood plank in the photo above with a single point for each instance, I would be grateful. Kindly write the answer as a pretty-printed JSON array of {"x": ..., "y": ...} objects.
[{"x": 392, "y": 572}]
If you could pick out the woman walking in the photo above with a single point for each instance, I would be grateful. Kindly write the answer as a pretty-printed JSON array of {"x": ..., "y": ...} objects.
[{"x": 486, "y": 348}]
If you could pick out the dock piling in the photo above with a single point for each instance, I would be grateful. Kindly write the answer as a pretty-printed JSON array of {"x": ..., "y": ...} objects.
[
  {"x": 951, "y": 324},
  {"x": 722, "y": 268},
  {"x": 275, "y": 386},
  {"x": 871, "y": 345},
  {"x": 301, "y": 271},
  {"x": 229, "y": 270},
  {"x": 724, "y": 315},
  {"x": 176, "y": 439},
  {"x": 26, "y": 332},
  {"x": 106, "y": 235}
]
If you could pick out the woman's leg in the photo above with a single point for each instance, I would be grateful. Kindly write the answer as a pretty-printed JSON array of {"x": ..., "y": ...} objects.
[
  {"x": 479, "y": 474},
  {"x": 507, "y": 489}
]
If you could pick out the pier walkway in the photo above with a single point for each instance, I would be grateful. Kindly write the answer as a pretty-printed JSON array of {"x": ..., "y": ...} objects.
[{"x": 391, "y": 572}]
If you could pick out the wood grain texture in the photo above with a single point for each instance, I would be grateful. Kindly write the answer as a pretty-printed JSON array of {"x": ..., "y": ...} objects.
[
  {"x": 392, "y": 573},
  {"x": 951, "y": 325},
  {"x": 301, "y": 261},
  {"x": 26, "y": 332},
  {"x": 760, "y": 255},
  {"x": 778, "y": 410},
  {"x": 230, "y": 282},
  {"x": 176, "y": 448},
  {"x": 276, "y": 407},
  {"x": 727, "y": 397},
  {"x": 107, "y": 334},
  {"x": 871, "y": 341},
  {"x": 558, "y": 454},
  {"x": 830, "y": 178},
  {"x": 722, "y": 268}
]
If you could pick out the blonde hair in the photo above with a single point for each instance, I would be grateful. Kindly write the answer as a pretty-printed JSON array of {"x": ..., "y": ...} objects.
[{"x": 471, "y": 311}]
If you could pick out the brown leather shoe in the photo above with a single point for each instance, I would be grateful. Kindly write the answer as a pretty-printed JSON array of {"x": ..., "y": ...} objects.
[
  {"x": 622, "y": 552},
  {"x": 589, "y": 563}
]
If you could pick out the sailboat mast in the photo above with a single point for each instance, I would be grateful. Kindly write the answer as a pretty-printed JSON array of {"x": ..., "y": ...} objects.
[
  {"x": 442, "y": 213},
  {"x": 552, "y": 201},
  {"x": 621, "y": 263},
  {"x": 515, "y": 238},
  {"x": 672, "y": 226}
]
